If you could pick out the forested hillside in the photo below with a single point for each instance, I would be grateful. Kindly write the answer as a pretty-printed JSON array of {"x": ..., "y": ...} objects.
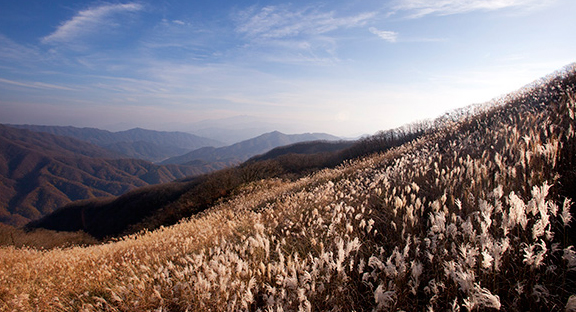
[{"x": 40, "y": 172}]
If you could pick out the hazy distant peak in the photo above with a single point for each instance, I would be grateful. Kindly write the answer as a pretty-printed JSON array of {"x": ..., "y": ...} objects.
[
  {"x": 160, "y": 144},
  {"x": 246, "y": 149}
]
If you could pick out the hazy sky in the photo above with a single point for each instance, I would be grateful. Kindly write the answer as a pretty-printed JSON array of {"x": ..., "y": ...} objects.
[{"x": 343, "y": 67}]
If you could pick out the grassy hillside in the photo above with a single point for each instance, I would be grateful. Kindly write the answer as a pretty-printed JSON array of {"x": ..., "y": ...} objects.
[
  {"x": 472, "y": 216},
  {"x": 42, "y": 239}
]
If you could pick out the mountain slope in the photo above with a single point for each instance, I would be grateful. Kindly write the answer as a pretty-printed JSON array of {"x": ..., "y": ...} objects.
[
  {"x": 241, "y": 151},
  {"x": 40, "y": 172},
  {"x": 304, "y": 148},
  {"x": 472, "y": 215},
  {"x": 146, "y": 150},
  {"x": 177, "y": 139},
  {"x": 134, "y": 143}
]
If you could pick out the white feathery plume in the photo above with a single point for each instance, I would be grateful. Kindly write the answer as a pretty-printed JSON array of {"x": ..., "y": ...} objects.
[
  {"x": 484, "y": 298},
  {"x": 571, "y": 304},
  {"x": 384, "y": 298},
  {"x": 570, "y": 257},
  {"x": 566, "y": 216}
]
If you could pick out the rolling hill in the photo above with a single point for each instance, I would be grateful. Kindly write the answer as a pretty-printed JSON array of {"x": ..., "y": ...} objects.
[
  {"x": 134, "y": 143},
  {"x": 304, "y": 148},
  {"x": 40, "y": 172}
]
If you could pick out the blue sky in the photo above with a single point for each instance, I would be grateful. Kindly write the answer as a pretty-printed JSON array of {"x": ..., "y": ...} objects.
[{"x": 343, "y": 67}]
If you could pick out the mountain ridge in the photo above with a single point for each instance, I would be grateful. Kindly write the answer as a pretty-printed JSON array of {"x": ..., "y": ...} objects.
[
  {"x": 40, "y": 172},
  {"x": 137, "y": 143},
  {"x": 242, "y": 151}
]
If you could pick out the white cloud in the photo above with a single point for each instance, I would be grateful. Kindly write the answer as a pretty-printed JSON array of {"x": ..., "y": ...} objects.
[
  {"x": 89, "y": 21},
  {"x": 274, "y": 22},
  {"x": 387, "y": 35},
  {"x": 420, "y": 8},
  {"x": 295, "y": 35}
]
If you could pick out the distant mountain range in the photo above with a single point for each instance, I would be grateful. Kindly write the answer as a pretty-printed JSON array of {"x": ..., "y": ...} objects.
[
  {"x": 166, "y": 204},
  {"x": 40, "y": 172},
  {"x": 43, "y": 168},
  {"x": 231, "y": 130},
  {"x": 134, "y": 143},
  {"x": 244, "y": 150}
]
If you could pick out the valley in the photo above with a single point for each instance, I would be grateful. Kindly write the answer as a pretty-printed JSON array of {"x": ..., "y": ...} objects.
[{"x": 48, "y": 167}]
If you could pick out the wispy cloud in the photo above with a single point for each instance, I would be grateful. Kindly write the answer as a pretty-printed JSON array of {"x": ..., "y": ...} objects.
[
  {"x": 191, "y": 40},
  {"x": 35, "y": 85},
  {"x": 295, "y": 35},
  {"x": 90, "y": 21},
  {"x": 387, "y": 35},
  {"x": 10, "y": 50},
  {"x": 420, "y": 8},
  {"x": 280, "y": 22}
]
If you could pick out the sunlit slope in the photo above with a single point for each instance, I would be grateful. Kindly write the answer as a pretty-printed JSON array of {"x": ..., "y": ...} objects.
[{"x": 472, "y": 216}]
